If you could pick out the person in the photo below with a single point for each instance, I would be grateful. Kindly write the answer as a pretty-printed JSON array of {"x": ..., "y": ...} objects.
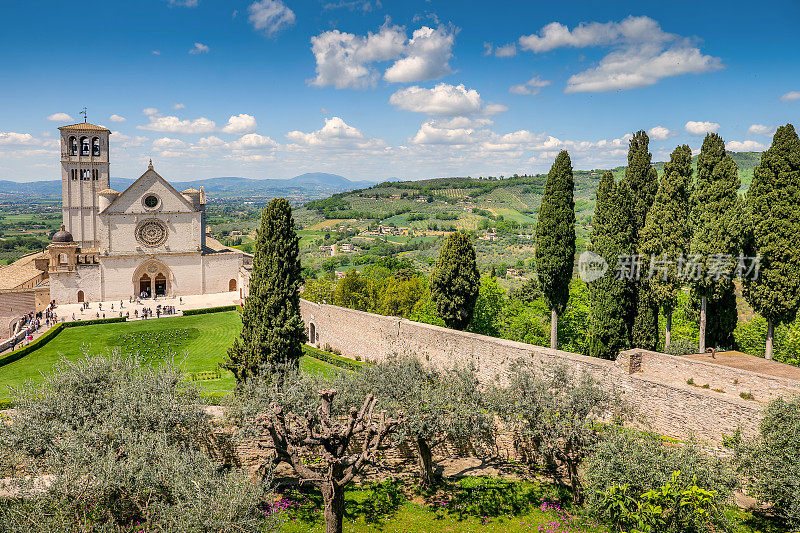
[
  {"x": 73, "y": 316},
  {"x": 135, "y": 313}
]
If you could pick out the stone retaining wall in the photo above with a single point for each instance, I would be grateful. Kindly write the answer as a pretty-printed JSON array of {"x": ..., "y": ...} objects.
[{"x": 653, "y": 383}]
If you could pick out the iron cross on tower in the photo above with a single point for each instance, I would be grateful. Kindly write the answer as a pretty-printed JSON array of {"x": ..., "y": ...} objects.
[{"x": 83, "y": 112}]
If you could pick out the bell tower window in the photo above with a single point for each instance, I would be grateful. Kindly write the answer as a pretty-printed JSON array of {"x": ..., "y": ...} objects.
[
  {"x": 73, "y": 146},
  {"x": 84, "y": 146},
  {"x": 95, "y": 146}
]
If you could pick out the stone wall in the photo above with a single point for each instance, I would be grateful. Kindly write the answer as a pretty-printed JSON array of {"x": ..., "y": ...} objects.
[{"x": 655, "y": 384}]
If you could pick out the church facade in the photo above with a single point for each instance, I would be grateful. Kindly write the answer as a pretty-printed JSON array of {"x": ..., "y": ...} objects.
[{"x": 148, "y": 240}]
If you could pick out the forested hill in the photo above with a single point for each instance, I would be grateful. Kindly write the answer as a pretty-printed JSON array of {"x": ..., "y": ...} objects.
[{"x": 746, "y": 161}]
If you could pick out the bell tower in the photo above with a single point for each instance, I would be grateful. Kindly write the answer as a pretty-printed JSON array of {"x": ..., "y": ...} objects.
[{"x": 84, "y": 173}]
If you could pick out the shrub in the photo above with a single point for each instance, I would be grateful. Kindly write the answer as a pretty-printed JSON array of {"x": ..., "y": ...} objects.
[
  {"x": 771, "y": 461},
  {"x": 336, "y": 360},
  {"x": 220, "y": 309},
  {"x": 681, "y": 347}
]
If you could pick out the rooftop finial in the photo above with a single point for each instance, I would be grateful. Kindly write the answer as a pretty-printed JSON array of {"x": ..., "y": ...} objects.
[
  {"x": 83, "y": 112},
  {"x": 150, "y": 166}
]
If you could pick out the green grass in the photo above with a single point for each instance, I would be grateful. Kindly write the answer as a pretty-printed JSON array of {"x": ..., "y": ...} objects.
[{"x": 198, "y": 344}]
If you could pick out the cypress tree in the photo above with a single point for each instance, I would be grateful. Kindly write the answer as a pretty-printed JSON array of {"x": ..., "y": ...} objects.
[
  {"x": 716, "y": 220},
  {"x": 643, "y": 181},
  {"x": 555, "y": 240},
  {"x": 455, "y": 281},
  {"x": 272, "y": 328},
  {"x": 773, "y": 207},
  {"x": 611, "y": 296},
  {"x": 667, "y": 233}
]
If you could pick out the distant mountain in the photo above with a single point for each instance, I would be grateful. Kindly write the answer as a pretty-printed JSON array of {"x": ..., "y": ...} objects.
[{"x": 316, "y": 182}]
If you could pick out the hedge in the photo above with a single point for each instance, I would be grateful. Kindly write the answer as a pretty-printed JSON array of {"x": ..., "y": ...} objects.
[
  {"x": 15, "y": 355},
  {"x": 335, "y": 360},
  {"x": 220, "y": 309}
]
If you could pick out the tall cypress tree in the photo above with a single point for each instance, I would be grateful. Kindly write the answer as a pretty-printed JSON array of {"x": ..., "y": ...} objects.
[
  {"x": 455, "y": 281},
  {"x": 272, "y": 328},
  {"x": 716, "y": 230},
  {"x": 611, "y": 296},
  {"x": 773, "y": 207},
  {"x": 555, "y": 240},
  {"x": 642, "y": 179},
  {"x": 667, "y": 233}
]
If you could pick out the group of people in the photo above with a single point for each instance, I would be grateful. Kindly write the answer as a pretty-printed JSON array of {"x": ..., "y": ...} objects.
[
  {"x": 31, "y": 322},
  {"x": 148, "y": 312}
]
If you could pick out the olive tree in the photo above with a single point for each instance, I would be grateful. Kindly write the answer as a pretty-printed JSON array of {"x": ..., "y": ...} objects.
[
  {"x": 109, "y": 445},
  {"x": 555, "y": 411}
]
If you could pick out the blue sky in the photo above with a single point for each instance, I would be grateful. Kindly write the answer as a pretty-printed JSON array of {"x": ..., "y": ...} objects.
[{"x": 371, "y": 90}]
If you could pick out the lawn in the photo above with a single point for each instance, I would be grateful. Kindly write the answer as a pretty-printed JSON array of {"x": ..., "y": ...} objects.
[{"x": 197, "y": 343}]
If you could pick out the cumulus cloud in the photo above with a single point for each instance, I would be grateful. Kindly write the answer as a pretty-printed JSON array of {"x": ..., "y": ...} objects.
[
  {"x": 149, "y": 111},
  {"x": 336, "y": 133},
  {"x": 253, "y": 141},
  {"x": 17, "y": 139},
  {"x": 701, "y": 128},
  {"x": 270, "y": 16},
  {"x": 443, "y": 99},
  {"x": 660, "y": 133},
  {"x": 240, "y": 124},
  {"x": 532, "y": 86},
  {"x": 435, "y": 132},
  {"x": 127, "y": 141},
  {"x": 791, "y": 96},
  {"x": 172, "y": 124},
  {"x": 183, "y": 3},
  {"x": 641, "y": 53},
  {"x": 165, "y": 143},
  {"x": 59, "y": 117},
  {"x": 179, "y": 106},
  {"x": 117, "y": 118},
  {"x": 346, "y": 61},
  {"x": 507, "y": 50},
  {"x": 745, "y": 146},
  {"x": 199, "y": 48},
  {"x": 760, "y": 129}
]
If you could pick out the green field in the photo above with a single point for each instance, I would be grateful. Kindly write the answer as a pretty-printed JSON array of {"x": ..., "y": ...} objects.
[{"x": 197, "y": 343}]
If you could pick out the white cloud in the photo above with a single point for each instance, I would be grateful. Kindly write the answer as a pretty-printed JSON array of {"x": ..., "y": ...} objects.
[
  {"x": 345, "y": 60},
  {"x": 179, "y": 106},
  {"x": 211, "y": 141},
  {"x": 183, "y": 3},
  {"x": 642, "y": 53},
  {"x": 171, "y": 124},
  {"x": 660, "y": 133},
  {"x": 126, "y": 141},
  {"x": 59, "y": 117},
  {"x": 435, "y": 132},
  {"x": 701, "y": 128},
  {"x": 443, "y": 99},
  {"x": 17, "y": 139},
  {"x": 253, "y": 141},
  {"x": 744, "y": 146},
  {"x": 507, "y": 50},
  {"x": 241, "y": 124},
  {"x": 791, "y": 96},
  {"x": 150, "y": 111},
  {"x": 165, "y": 143},
  {"x": 760, "y": 129},
  {"x": 155, "y": 52},
  {"x": 335, "y": 133},
  {"x": 427, "y": 57},
  {"x": 532, "y": 86},
  {"x": 199, "y": 48},
  {"x": 117, "y": 118},
  {"x": 270, "y": 16}
]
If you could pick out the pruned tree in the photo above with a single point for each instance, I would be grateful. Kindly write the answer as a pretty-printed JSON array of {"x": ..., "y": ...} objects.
[
  {"x": 438, "y": 405},
  {"x": 290, "y": 434},
  {"x": 555, "y": 240},
  {"x": 611, "y": 296},
  {"x": 666, "y": 234},
  {"x": 455, "y": 281},
  {"x": 556, "y": 412},
  {"x": 716, "y": 227},
  {"x": 272, "y": 328},
  {"x": 773, "y": 205}
]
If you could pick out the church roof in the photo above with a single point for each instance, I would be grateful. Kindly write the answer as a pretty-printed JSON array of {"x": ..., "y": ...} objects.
[
  {"x": 20, "y": 271},
  {"x": 191, "y": 191},
  {"x": 108, "y": 191},
  {"x": 84, "y": 126},
  {"x": 62, "y": 235}
]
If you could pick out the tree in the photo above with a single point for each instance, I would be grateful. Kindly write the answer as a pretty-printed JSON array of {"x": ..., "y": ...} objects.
[
  {"x": 555, "y": 240},
  {"x": 642, "y": 179},
  {"x": 488, "y": 308},
  {"x": 667, "y": 233},
  {"x": 773, "y": 207},
  {"x": 290, "y": 434},
  {"x": 272, "y": 328},
  {"x": 716, "y": 228},
  {"x": 556, "y": 413},
  {"x": 611, "y": 296},
  {"x": 454, "y": 282},
  {"x": 438, "y": 405}
]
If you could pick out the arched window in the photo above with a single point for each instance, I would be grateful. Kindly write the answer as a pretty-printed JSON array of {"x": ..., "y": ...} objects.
[
  {"x": 62, "y": 259},
  {"x": 312, "y": 333},
  {"x": 94, "y": 174},
  {"x": 73, "y": 146},
  {"x": 84, "y": 145},
  {"x": 232, "y": 285},
  {"x": 86, "y": 175},
  {"x": 95, "y": 146},
  {"x": 80, "y": 296}
]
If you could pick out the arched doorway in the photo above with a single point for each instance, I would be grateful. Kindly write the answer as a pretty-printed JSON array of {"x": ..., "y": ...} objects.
[
  {"x": 160, "y": 285},
  {"x": 312, "y": 333},
  {"x": 80, "y": 297},
  {"x": 145, "y": 287},
  {"x": 232, "y": 285}
]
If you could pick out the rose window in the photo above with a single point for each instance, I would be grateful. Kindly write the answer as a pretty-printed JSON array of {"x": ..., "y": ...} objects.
[{"x": 151, "y": 233}]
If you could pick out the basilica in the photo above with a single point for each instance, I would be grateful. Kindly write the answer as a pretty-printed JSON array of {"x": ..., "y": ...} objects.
[{"x": 148, "y": 240}]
